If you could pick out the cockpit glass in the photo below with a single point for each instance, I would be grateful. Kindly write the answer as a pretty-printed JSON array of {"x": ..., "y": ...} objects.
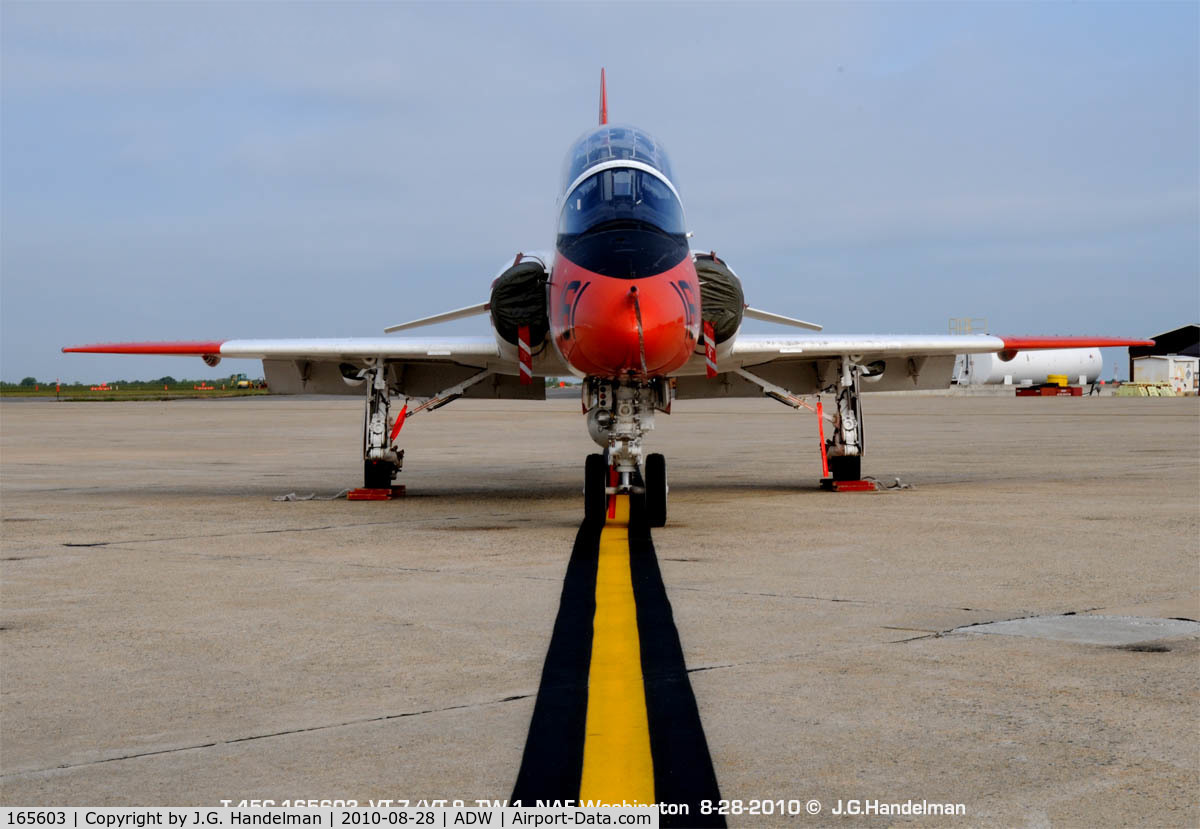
[
  {"x": 614, "y": 143},
  {"x": 621, "y": 195}
]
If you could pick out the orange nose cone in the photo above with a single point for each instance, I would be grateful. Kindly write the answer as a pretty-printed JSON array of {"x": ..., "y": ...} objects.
[
  {"x": 645, "y": 327},
  {"x": 606, "y": 331}
]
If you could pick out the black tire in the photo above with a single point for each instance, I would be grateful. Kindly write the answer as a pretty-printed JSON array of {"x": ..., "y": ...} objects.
[
  {"x": 846, "y": 468},
  {"x": 378, "y": 474},
  {"x": 595, "y": 481},
  {"x": 655, "y": 477}
]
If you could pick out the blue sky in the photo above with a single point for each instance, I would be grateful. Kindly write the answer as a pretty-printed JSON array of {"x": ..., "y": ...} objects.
[{"x": 214, "y": 170}]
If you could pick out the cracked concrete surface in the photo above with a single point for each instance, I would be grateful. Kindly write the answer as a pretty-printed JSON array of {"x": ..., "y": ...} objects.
[
  {"x": 211, "y": 644},
  {"x": 1092, "y": 628},
  {"x": 285, "y": 733}
]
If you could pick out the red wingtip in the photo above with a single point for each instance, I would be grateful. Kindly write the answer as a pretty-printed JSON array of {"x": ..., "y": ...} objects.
[
  {"x": 603, "y": 99},
  {"x": 1012, "y": 345},
  {"x": 1035, "y": 343},
  {"x": 173, "y": 348}
]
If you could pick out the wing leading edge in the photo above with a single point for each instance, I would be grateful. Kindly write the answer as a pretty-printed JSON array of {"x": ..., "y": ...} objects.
[
  {"x": 749, "y": 349},
  {"x": 418, "y": 366},
  {"x": 387, "y": 348}
]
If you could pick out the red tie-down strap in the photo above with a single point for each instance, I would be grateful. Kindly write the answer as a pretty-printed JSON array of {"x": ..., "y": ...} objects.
[
  {"x": 525, "y": 354},
  {"x": 613, "y": 478},
  {"x": 821, "y": 435},
  {"x": 399, "y": 424},
  {"x": 710, "y": 350}
]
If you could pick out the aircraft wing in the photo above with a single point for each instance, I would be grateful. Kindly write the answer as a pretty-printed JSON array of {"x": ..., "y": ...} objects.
[
  {"x": 750, "y": 349},
  {"x": 422, "y": 367},
  {"x": 806, "y": 364},
  {"x": 479, "y": 349}
]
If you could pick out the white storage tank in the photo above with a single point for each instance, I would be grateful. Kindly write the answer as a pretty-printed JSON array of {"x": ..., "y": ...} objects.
[{"x": 1080, "y": 365}]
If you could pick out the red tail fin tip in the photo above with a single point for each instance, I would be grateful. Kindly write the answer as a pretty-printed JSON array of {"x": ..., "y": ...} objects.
[{"x": 603, "y": 99}]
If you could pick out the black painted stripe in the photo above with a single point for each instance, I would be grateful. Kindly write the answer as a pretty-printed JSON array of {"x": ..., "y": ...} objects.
[
  {"x": 552, "y": 765},
  {"x": 683, "y": 769}
]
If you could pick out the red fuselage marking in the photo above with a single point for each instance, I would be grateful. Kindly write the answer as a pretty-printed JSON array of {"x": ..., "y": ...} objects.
[{"x": 593, "y": 319}]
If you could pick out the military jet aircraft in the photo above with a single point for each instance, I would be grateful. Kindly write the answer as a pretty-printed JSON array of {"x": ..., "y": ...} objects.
[{"x": 626, "y": 305}]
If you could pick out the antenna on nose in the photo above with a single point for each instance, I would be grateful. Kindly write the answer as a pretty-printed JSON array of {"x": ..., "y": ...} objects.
[{"x": 603, "y": 99}]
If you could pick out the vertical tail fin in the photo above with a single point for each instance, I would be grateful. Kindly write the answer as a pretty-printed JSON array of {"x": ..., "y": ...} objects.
[{"x": 603, "y": 99}]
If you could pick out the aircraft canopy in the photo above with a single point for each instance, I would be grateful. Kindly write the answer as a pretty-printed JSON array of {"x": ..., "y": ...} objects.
[
  {"x": 621, "y": 195},
  {"x": 611, "y": 143}
]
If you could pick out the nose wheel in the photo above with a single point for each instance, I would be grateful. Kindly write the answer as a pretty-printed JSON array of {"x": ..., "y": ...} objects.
[
  {"x": 655, "y": 477},
  {"x": 597, "y": 488}
]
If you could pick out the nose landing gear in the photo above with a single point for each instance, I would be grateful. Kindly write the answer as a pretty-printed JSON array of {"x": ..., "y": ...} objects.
[
  {"x": 619, "y": 412},
  {"x": 650, "y": 488}
]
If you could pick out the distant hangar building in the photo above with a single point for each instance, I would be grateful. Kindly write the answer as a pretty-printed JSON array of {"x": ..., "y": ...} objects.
[{"x": 1174, "y": 358}]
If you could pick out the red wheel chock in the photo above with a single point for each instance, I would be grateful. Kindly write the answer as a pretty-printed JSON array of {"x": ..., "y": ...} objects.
[
  {"x": 847, "y": 486},
  {"x": 364, "y": 494}
]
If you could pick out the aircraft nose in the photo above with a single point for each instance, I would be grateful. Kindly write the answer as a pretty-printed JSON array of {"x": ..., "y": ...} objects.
[
  {"x": 606, "y": 329},
  {"x": 625, "y": 328}
]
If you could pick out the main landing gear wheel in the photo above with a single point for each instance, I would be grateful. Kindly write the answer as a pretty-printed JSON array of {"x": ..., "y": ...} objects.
[
  {"x": 655, "y": 479},
  {"x": 595, "y": 484},
  {"x": 846, "y": 468},
  {"x": 378, "y": 474}
]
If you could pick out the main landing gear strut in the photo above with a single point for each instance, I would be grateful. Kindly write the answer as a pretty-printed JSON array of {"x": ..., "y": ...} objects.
[
  {"x": 844, "y": 446},
  {"x": 619, "y": 412},
  {"x": 381, "y": 460}
]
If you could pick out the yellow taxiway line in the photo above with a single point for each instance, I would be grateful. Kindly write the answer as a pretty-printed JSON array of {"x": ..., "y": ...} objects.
[{"x": 617, "y": 766}]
